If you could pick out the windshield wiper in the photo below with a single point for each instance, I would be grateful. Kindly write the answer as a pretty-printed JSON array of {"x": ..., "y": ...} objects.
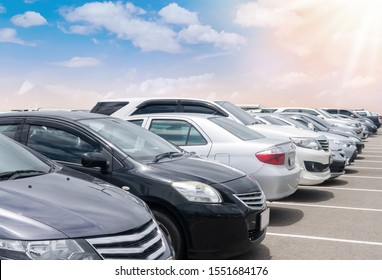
[
  {"x": 167, "y": 155},
  {"x": 11, "y": 175}
]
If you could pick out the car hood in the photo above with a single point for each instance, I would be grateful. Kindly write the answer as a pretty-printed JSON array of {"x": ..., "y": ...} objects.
[
  {"x": 195, "y": 168},
  {"x": 56, "y": 205}
]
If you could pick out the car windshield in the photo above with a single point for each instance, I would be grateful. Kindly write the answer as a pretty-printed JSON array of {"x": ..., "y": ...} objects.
[
  {"x": 237, "y": 129},
  {"x": 239, "y": 113},
  {"x": 135, "y": 141},
  {"x": 15, "y": 159}
]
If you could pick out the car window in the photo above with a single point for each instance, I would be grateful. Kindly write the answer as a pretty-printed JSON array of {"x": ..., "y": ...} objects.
[
  {"x": 332, "y": 111},
  {"x": 178, "y": 132},
  {"x": 345, "y": 112},
  {"x": 243, "y": 116},
  {"x": 138, "y": 122},
  {"x": 237, "y": 129},
  {"x": 292, "y": 111},
  {"x": 156, "y": 108},
  {"x": 135, "y": 141},
  {"x": 58, "y": 144},
  {"x": 8, "y": 130},
  {"x": 200, "y": 109},
  {"x": 310, "y": 112},
  {"x": 108, "y": 108},
  {"x": 16, "y": 157}
]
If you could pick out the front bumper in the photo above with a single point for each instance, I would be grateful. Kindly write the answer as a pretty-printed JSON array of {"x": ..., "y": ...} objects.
[{"x": 314, "y": 165}]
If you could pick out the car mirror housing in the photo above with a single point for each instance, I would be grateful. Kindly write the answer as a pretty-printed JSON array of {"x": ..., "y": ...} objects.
[{"x": 94, "y": 159}]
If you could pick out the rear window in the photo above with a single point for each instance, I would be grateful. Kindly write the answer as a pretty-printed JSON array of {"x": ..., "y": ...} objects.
[
  {"x": 156, "y": 108},
  {"x": 108, "y": 108},
  {"x": 237, "y": 129}
]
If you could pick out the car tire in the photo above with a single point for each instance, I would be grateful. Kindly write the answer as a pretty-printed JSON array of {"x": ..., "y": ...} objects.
[{"x": 173, "y": 232}]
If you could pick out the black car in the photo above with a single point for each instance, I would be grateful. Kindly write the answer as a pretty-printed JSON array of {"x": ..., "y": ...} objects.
[
  {"x": 49, "y": 212},
  {"x": 207, "y": 209}
]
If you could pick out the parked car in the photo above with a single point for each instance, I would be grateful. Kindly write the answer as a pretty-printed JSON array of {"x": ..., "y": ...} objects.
[
  {"x": 207, "y": 209},
  {"x": 374, "y": 117},
  {"x": 313, "y": 160},
  {"x": 365, "y": 121},
  {"x": 50, "y": 212},
  {"x": 352, "y": 127},
  {"x": 350, "y": 144},
  {"x": 270, "y": 161}
]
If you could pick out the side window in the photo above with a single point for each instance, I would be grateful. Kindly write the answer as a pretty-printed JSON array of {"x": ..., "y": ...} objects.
[
  {"x": 156, "y": 108},
  {"x": 58, "y": 144},
  {"x": 310, "y": 112},
  {"x": 332, "y": 111},
  {"x": 345, "y": 112},
  {"x": 8, "y": 130},
  {"x": 200, "y": 110},
  {"x": 292, "y": 110},
  {"x": 137, "y": 122},
  {"x": 179, "y": 133}
]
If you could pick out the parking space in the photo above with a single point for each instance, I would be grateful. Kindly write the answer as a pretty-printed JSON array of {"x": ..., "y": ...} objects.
[{"x": 339, "y": 219}]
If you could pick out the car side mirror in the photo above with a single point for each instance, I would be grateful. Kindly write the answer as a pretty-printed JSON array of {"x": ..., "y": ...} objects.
[
  {"x": 95, "y": 159},
  {"x": 311, "y": 126}
]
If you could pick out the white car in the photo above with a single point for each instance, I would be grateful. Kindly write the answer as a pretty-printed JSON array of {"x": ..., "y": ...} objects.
[
  {"x": 311, "y": 157},
  {"x": 270, "y": 161}
]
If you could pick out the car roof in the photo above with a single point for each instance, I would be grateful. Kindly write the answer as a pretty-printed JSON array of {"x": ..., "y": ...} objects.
[
  {"x": 68, "y": 115},
  {"x": 142, "y": 99}
]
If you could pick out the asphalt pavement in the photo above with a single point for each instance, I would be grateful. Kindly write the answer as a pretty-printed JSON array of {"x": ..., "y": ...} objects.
[{"x": 340, "y": 219}]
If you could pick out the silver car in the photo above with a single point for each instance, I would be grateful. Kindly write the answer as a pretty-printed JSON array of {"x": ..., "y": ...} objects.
[{"x": 270, "y": 161}]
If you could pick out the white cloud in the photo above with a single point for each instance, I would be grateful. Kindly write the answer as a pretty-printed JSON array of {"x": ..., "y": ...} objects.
[
  {"x": 129, "y": 22},
  {"x": 77, "y": 62},
  {"x": 9, "y": 35},
  {"x": 358, "y": 82},
  {"x": 28, "y": 19},
  {"x": 123, "y": 20},
  {"x": 169, "y": 86},
  {"x": 3, "y": 10},
  {"x": 291, "y": 79},
  {"x": 26, "y": 87},
  {"x": 175, "y": 14},
  {"x": 196, "y": 34}
]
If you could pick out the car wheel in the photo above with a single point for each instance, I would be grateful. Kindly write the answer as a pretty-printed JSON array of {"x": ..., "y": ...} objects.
[{"x": 173, "y": 232}]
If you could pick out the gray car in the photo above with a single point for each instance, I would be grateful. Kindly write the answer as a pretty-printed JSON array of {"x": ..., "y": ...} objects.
[{"x": 270, "y": 161}]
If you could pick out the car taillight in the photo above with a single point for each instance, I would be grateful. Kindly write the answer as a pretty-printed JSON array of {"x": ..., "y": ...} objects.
[{"x": 273, "y": 156}]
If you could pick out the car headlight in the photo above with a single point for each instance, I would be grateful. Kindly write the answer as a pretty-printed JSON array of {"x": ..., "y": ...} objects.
[
  {"x": 308, "y": 143},
  {"x": 354, "y": 139},
  {"x": 197, "y": 192},
  {"x": 65, "y": 249}
]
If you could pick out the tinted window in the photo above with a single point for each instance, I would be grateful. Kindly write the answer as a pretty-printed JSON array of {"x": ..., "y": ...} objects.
[
  {"x": 346, "y": 112},
  {"x": 200, "y": 109},
  {"x": 156, "y": 108},
  {"x": 243, "y": 116},
  {"x": 292, "y": 110},
  {"x": 15, "y": 157},
  {"x": 237, "y": 129},
  {"x": 274, "y": 121},
  {"x": 332, "y": 111},
  {"x": 137, "y": 122},
  {"x": 310, "y": 112},
  {"x": 58, "y": 144},
  {"x": 108, "y": 108},
  {"x": 8, "y": 130},
  {"x": 178, "y": 132},
  {"x": 135, "y": 141}
]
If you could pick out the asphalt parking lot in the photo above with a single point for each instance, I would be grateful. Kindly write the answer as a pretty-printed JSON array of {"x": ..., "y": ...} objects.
[{"x": 340, "y": 219}]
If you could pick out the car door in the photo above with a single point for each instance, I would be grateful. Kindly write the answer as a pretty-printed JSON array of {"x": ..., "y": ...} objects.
[
  {"x": 183, "y": 133},
  {"x": 65, "y": 144}
]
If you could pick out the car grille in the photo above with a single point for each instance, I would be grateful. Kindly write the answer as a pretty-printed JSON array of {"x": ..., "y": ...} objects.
[
  {"x": 144, "y": 242},
  {"x": 312, "y": 166},
  {"x": 324, "y": 144},
  {"x": 254, "y": 200}
]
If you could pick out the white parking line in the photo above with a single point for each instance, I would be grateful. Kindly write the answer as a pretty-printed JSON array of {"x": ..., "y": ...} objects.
[
  {"x": 325, "y": 206},
  {"x": 374, "y": 161},
  {"x": 342, "y": 189},
  {"x": 370, "y": 155},
  {"x": 364, "y": 177},
  {"x": 326, "y": 239},
  {"x": 362, "y": 167}
]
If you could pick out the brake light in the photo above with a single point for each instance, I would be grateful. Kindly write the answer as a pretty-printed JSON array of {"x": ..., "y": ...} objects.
[{"x": 274, "y": 156}]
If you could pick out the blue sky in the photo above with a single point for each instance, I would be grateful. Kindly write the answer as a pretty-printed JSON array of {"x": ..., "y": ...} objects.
[{"x": 279, "y": 53}]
